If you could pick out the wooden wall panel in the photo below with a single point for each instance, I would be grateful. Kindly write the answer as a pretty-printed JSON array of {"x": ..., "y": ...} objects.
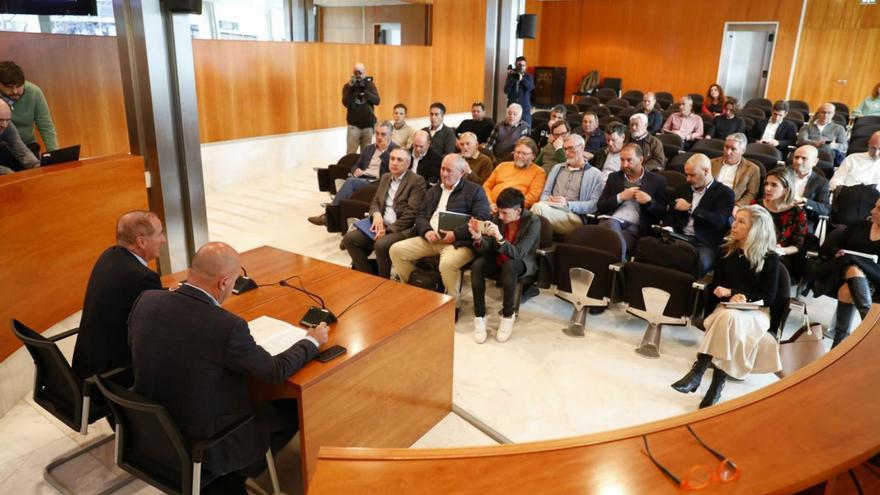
[
  {"x": 532, "y": 48},
  {"x": 840, "y": 41},
  {"x": 459, "y": 43},
  {"x": 669, "y": 45},
  {"x": 81, "y": 80},
  {"x": 355, "y": 24}
]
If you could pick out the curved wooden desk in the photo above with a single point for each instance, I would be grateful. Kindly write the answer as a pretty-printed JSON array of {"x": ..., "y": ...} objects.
[
  {"x": 786, "y": 437},
  {"x": 56, "y": 221}
]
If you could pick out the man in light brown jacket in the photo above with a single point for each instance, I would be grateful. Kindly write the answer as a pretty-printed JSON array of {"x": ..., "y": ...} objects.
[{"x": 737, "y": 173}]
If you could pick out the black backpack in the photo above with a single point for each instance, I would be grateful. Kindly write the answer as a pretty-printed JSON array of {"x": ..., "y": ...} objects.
[{"x": 669, "y": 253}]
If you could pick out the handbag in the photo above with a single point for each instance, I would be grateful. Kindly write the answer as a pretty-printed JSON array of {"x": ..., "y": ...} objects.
[{"x": 802, "y": 348}]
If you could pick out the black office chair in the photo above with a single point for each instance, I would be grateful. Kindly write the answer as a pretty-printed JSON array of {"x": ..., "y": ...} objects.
[
  {"x": 698, "y": 102},
  {"x": 672, "y": 144},
  {"x": 633, "y": 96},
  {"x": 63, "y": 395},
  {"x": 864, "y": 131},
  {"x": 600, "y": 111},
  {"x": 841, "y": 109},
  {"x": 151, "y": 447},
  {"x": 330, "y": 179},
  {"x": 664, "y": 99},
  {"x": 626, "y": 113},
  {"x": 713, "y": 148},
  {"x": 801, "y": 106},
  {"x": 762, "y": 103},
  {"x": 753, "y": 112},
  {"x": 676, "y": 163},
  {"x": 587, "y": 102},
  {"x": 867, "y": 120},
  {"x": 605, "y": 94}
]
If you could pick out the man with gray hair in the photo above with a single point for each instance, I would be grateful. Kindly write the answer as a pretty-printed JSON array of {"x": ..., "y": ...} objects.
[
  {"x": 454, "y": 194},
  {"x": 652, "y": 148},
  {"x": 825, "y": 134},
  {"x": 119, "y": 277},
  {"x": 359, "y": 95},
  {"x": 737, "y": 173},
  {"x": 571, "y": 190},
  {"x": 685, "y": 123},
  {"x": 19, "y": 153},
  {"x": 372, "y": 163},
  {"x": 479, "y": 164},
  {"x": 810, "y": 189},
  {"x": 507, "y": 132}
]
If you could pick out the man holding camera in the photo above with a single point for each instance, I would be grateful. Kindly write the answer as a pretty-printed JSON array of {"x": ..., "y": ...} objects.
[
  {"x": 519, "y": 86},
  {"x": 359, "y": 95}
]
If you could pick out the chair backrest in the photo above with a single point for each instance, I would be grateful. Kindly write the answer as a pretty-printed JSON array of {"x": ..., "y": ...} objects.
[
  {"x": 574, "y": 119},
  {"x": 754, "y": 112},
  {"x": 698, "y": 101},
  {"x": 668, "y": 138},
  {"x": 840, "y": 118},
  {"x": 150, "y": 446},
  {"x": 587, "y": 101},
  {"x": 799, "y": 105},
  {"x": 593, "y": 247},
  {"x": 841, "y": 108},
  {"x": 56, "y": 387},
  {"x": 541, "y": 115},
  {"x": 674, "y": 178},
  {"x": 783, "y": 295},
  {"x": 348, "y": 160},
  {"x": 867, "y": 120},
  {"x": 604, "y": 121},
  {"x": 864, "y": 131},
  {"x": 572, "y": 108},
  {"x": 763, "y": 149},
  {"x": 546, "y": 233},
  {"x": 605, "y": 94},
  {"x": 853, "y": 203},
  {"x": 633, "y": 96},
  {"x": 759, "y": 103},
  {"x": 664, "y": 98},
  {"x": 600, "y": 111},
  {"x": 677, "y": 162},
  {"x": 618, "y": 102},
  {"x": 626, "y": 113}
]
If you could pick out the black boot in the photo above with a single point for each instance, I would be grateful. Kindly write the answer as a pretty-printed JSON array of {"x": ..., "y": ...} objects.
[
  {"x": 691, "y": 381},
  {"x": 715, "y": 388},
  {"x": 860, "y": 293},
  {"x": 840, "y": 325}
]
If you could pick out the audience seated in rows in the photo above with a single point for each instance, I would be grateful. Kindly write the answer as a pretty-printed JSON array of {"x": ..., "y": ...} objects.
[
  {"x": 479, "y": 124},
  {"x": 572, "y": 189},
  {"x": 860, "y": 168},
  {"x": 593, "y": 136},
  {"x": 442, "y": 136},
  {"x": 480, "y": 165},
  {"x": 823, "y": 133},
  {"x": 652, "y": 148},
  {"x": 633, "y": 198},
  {"x": 811, "y": 190},
  {"x": 685, "y": 123},
  {"x": 393, "y": 211},
  {"x": 736, "y": 172},
  {"x": 402, "y": 133},
  {"x": 552, "y": 153},
  {"x": 789, "y": 218},
  {"x": 505, "y": 247},
  {"x": 456, "y": 194},
  {"x": 727, "y": 122},
  {"x": 193, "y": 357},
  {"x": 521, "y": 173},
  {"x": 508, "y": 132},
  {"x": 776, "y": 131},
  {"x": 655, "y": 116},
  {"x": 702, "y": 210},
  {"x": 747, "y": 271},
  {"x": 371, "y": 164},
  {"x": 607, "y": 160}
]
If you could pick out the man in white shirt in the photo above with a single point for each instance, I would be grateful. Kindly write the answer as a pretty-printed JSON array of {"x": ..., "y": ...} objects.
[
  {"x": 810, "y": 188},
  {"x": 735, "y": 172},
  {"x": 860, "y": 168}
]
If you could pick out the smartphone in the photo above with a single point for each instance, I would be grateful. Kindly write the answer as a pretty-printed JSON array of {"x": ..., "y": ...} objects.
[{"x": 332, "y": 352}]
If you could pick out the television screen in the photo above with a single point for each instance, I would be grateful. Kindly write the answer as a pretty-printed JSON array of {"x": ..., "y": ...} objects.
[{"x": 49, "y": 7}]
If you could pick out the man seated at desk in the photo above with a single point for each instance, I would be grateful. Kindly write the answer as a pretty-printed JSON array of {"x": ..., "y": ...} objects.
[
  {"x": 18, "y": 156},
  {"x": 192, "y": 357}
]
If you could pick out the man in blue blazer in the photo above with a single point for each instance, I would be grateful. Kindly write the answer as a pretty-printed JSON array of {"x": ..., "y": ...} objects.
[
  {"x": 776, "y": 131},
  {"x": 193, "y": 357},
  {"x": 633, "y": 198},
  {"x": 702, "y": 210}
]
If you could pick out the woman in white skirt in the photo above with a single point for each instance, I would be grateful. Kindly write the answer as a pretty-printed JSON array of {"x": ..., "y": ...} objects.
[{"x": 746, "y": 272}]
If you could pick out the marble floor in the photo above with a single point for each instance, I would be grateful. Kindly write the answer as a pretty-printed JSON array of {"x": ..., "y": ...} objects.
[{"x": 539, "y": 385}]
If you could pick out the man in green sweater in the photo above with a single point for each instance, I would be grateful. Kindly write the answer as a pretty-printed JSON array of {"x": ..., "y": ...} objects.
[{"x": 29, "y": 108}]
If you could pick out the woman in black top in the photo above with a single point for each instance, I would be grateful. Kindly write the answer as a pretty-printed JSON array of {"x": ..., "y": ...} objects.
[
  {"x": 736, "y": 339},
  {"x": 855, "y": 278}
]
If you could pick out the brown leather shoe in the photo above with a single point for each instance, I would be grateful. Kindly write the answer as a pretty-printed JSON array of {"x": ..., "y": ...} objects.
[{"x": 318, "y": 220}]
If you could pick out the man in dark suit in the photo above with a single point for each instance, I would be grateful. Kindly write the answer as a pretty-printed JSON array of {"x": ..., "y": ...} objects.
[
  {"x": 702, "y": 210},
  {"x": 193, "y": 357},
  {"x": 393, "y": 211},
  {"x": 777, "y": 131},
  {"x": 425, "y": 161},
  {"x": 633, "y": 197},
  {"x": 811, "y": 190},
  {"x": 442, "y": 136},
  {"x": 119, "y": 277}
]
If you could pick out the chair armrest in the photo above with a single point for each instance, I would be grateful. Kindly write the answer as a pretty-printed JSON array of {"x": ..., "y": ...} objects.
[
  {"x": 545, "y": 251},
  {"x": 616, "y": 267},
  {"x": 703, "y": 282},
  {"x": 90, "y": 384},
  {"x": 592, "y": 219},
  {"x": 812, "y": 255},
  {"x": 64, "y": 335},
  {"x": 198, "y": 450}
]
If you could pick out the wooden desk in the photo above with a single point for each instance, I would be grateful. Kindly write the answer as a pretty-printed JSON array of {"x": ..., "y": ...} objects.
[
  {"x": 785, "y": 437},
  {"x": 395, "y": 381},
  {"x": 56, "y": 222}
]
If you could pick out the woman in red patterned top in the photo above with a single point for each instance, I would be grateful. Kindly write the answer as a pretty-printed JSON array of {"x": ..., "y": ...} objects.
[{"x": 789, "y": 218}]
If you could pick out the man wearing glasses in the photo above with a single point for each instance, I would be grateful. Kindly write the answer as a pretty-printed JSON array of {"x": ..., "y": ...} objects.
[
  {"x": 521, "y": 174},
  {"x": 572, "y": 189},
  {"x": 552, "y": 152}
]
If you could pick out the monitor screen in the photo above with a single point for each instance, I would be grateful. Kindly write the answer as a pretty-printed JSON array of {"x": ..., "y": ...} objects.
[{"x": 49, "y": 7}]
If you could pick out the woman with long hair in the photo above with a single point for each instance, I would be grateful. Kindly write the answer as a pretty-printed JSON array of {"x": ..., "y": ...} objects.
[
  {"x": 871, "y": 104},
  {"x": 789, "y": 218},
  {"x": 713, "y": 103},
  {"x": 746, "y": 272}
]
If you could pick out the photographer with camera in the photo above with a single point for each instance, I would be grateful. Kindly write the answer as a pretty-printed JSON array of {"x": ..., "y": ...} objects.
[
  {"x": 519, "y": 86},
  {"x": 359, "y": 95}
]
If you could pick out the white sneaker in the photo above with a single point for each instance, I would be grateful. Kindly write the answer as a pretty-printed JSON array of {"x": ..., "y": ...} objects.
[
  {"x": 480, "y": 329},
  {"x": 505, "y": 329}
]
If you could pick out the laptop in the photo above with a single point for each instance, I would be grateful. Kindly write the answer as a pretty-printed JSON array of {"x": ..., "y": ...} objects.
[
  {"x": 61, "y": 155},
  {"x": 450, "y": 220}
]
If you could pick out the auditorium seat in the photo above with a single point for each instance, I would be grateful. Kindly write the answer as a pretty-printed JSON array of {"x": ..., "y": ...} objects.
[
  {"x": 600, "y": 111},
  {"x": 587, "y": 101},
  {"x": 605, "y": 94},
  {"x": 801, "y": 106},
  {"x": 753, "y": 112},
  {"x": 672, "y": 144},
  {"x": 674, "y": 180},
  {"x": 616, "y": 104},
  {"x": 864, "y": 131},
  {"x": 633, "y": 96},
  {"x": 541, "y": 115},
  {"x": 841, "y": 119},
  {"x": 676, "y": 162},
  {"x": 664, "y": 99},
  {"x": 571, "y": 108},
  {"x": 762, "y": 103},
  {"x": 574, "y": 119},
  {"x": 713, "y": 148},
  {"x": 626, "y": 113},
  {"x": 330, "y": 179},
  {"x": 698, "y": 102},
  {"x": 866, "y": 121},
  {"x": 604, "y": 121},
  {"x": 841, "y": 109},
  {"x": 795, "y": 118}
]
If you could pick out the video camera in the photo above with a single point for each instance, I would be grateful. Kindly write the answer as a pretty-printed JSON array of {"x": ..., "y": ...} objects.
[{"x": 514, "y": 70}]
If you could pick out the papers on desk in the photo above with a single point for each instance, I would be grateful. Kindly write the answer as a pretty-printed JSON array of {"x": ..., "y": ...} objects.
[
  {"x": 275, "y": 336},
  {"x": 744, "y": 305}
]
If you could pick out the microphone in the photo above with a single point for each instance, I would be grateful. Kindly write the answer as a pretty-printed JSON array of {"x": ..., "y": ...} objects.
[
  {"x": 243, "y": 283},
  {"x": 314, "y": 316}
]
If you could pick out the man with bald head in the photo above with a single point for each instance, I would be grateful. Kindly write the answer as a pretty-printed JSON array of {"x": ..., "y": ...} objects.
[
  {"x": 860, "y": 168},
  {"x": 424, "y": 160},
  {"x": 702, "y": 210},
  {"x": 359, "y": 95},
  {"x": 18, "y": 156},
  {"x": 193, "y": 357},
  {"x": 119, "y": 277},
  {"x": 811, "y": 189},
  {"x": 825, "y": 134}
]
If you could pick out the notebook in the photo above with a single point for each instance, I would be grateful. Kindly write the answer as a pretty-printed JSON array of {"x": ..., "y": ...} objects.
[{"x": 364, "y": 225}]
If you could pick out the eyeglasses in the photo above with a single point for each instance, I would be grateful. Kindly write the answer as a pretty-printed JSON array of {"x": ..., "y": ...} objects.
[{"x": 700, "y": 476}]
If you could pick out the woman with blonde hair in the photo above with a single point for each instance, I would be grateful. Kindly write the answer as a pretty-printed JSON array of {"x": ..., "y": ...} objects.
[{"x": 746, "y": 272}]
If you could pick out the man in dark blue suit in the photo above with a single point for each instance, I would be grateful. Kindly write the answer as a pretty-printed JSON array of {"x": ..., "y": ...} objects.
[
  {"x": 776, "y": 131},
  {"x": 702, "y": 210},
  {"x": 519, "y": 86},
  {"x": 633, "y": 198},
  {"x": 119, "y": 277},
  {"x": 193, "y": 357}
]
